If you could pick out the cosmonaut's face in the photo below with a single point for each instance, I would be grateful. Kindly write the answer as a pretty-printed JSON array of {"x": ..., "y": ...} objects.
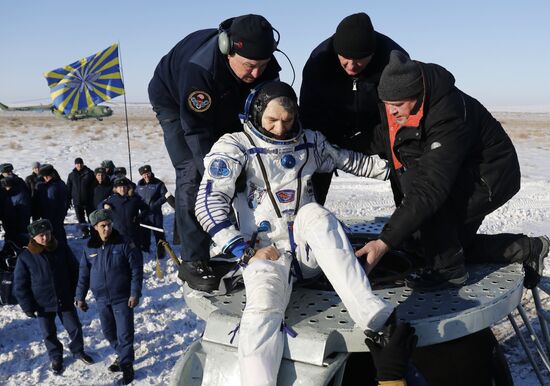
[{"x": 277, "y": 120}]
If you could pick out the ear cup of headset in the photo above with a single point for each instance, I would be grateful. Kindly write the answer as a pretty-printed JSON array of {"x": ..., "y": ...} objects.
[{"x": 225, "y": 42}]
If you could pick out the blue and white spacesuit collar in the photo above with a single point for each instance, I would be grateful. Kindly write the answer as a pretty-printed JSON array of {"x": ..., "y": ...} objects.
[{"x": 248, "y": 126}]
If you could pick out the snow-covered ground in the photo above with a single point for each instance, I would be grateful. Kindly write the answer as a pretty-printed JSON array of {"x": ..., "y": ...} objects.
[{"x": 164, "y": 324}]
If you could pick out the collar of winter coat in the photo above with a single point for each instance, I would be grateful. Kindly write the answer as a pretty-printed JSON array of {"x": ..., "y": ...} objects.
[
  {"x": 37, "y": 249},
  {"x": 96, "y": 242}
]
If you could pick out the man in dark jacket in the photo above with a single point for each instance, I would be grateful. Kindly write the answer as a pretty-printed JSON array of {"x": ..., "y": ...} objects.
[
  {"x": 32, "y": 180},
  {"x": 112, "y": 266},
  {"x": 51, "y": 201},
  {"x": 103, "y": 187},
  {"x": 15, "y": 211},
  {"x": 153, "y": 192},
  {"x": 127, "y": 211},
  {"x": 197, "y": 91},
  {"x": 45, "y": 280},
  {"x": 80, "y": 186},
  {"x": 453, "y": 164},
  {"x": 338, "y": 96},
  {"x": 109, "y": 167}
]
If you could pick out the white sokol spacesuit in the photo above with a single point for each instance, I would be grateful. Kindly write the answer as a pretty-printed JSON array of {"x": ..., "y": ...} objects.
[{"x": 268, "y": 182}]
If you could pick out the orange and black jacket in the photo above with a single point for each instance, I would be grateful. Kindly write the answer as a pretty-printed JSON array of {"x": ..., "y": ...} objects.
[{"x": 451, "y": 149}]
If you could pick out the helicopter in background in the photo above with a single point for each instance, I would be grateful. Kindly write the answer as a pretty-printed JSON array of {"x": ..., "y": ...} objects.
[{"x": 97, "y": 112}]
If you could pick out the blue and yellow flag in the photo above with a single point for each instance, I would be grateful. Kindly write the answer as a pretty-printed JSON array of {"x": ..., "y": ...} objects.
[{"x": 86, "y": 82}]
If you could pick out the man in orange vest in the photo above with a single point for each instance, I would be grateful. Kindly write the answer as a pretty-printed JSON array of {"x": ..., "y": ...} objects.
[{"x": 452, "y": 164}]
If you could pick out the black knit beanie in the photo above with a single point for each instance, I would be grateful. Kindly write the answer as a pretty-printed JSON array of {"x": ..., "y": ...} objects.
[
  {"x": 252, "y": 37},
  {"x": 355, "y": 37},
  {"x": 401, "y": 78}
]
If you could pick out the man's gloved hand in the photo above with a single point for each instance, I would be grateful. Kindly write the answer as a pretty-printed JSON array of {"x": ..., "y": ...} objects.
[
  {"x": 391, "y": 361},
  {"x": 133, "y": 302},
  {"x": 31, "y": 314}
]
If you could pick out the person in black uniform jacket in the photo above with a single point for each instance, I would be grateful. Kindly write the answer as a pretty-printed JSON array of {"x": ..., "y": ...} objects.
[
  {"x": 154, "y": 193},
  {"x": 127, "y": 211},
  {"x": 32, "y": 180},
  {"x": 51, "y": 199},
  {"x": 454, "y": 164},
  {"x": 197, "y": 91},
  {"x": 103, "y": 187},
  {"x": 338, "y": 96},
  {"x": 80, "y": 184}
]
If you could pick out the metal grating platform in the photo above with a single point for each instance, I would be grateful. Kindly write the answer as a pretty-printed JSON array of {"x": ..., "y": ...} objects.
[{"x": 324, "y": 326}]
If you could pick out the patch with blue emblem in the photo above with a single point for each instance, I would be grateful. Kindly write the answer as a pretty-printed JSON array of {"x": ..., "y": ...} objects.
[
  {"x": 199, "y": 101},
  {"x": 218, "y": 168},
  {"x": 285, "y": 196}
]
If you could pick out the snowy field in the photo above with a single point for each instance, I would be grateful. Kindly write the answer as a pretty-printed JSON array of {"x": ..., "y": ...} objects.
[{"x": 164, "y": 324}]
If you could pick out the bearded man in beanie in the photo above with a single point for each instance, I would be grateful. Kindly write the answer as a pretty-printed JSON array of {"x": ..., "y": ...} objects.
[
  {"x": 51, "y": 200},
  {"x": 338, "y": 96},
  {"x": 197, "y": 91},
  {"x": 112, "y": 266},
  {"x": 453, "y": 164},
  {"x": 45, "y": 280},
  {"x": 154, "y": 193}
]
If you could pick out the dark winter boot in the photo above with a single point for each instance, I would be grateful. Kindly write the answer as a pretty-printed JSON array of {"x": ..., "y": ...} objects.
[
  {"x": 85, "y": 358},
  {"x": 534, "y": 265},
  {"x": 430, "y": 280},
  {"x": 57, "y": 366},
  {"x": 127, "y": 374},
  {"x": 199, "y": 275},
  {"x": 115, "y": 367}
]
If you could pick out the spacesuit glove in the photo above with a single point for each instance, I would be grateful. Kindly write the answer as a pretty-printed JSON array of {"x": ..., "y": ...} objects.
[
  {"x": 391, "y": 361},
  {"x": 31, "y": 314}
]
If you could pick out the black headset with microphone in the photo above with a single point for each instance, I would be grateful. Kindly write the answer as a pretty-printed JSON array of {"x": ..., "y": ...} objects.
[{"x": 226, "y": 43}]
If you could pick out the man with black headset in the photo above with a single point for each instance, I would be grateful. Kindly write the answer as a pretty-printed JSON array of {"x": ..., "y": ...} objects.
[{"x": 197, "y": 91}]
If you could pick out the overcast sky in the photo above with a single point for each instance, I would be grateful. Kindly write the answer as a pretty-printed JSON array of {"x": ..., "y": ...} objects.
[{"x": 499, "y": 51}]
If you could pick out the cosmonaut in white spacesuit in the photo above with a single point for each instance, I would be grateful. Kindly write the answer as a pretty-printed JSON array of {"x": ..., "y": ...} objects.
[{"x": 265, "y": 173}]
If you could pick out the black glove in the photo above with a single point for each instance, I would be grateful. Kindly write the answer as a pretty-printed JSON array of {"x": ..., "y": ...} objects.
[
  {"x": 391, "y": 361},
  {"x": 30, "y": 314}
]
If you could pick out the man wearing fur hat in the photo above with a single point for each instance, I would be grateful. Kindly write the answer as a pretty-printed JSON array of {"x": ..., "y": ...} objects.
[
  {"x": 127, "y": 211},
  {"x": 51, "y": 200},
  {"x": 453, "y": 164},
  {"x": 45, "y": 280},
  {"x": 103, "y": 187},
  {"x": 112, "y": 266},
  {"x": 154, "y": 193},
  {"x": 32, "y": 180},
  {"x": 197, "y": 91},
  {"x": 338, "y": 96}
]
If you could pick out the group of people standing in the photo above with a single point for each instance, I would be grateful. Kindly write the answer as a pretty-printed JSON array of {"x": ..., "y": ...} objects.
[
  {"x": 240, "y": 143},
  {"x": 50, "y": 279}
]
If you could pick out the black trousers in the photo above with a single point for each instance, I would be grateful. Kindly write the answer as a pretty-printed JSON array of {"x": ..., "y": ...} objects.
[
  {"x": 194, "y": 241},
  {"x": 71, "y": 322},
  {"x": 447, "y": 243}
]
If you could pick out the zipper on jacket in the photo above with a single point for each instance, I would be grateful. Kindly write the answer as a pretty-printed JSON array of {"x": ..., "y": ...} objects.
[
  {"x": 354, "y": 87},
  {"x": 488, "y": 188}
]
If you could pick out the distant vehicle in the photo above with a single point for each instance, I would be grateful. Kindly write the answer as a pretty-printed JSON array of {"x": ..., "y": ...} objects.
[{"x": 97, "y": 112}]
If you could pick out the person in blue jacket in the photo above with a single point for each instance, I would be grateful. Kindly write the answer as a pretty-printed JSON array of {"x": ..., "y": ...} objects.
[
  {"x": 112, "y": 266},
  {"x": 127, "y": 211},
  {"x": 45, "y": 279},
  {"x": 154, "y": 193},
  {"x": 197, "y": 91}
]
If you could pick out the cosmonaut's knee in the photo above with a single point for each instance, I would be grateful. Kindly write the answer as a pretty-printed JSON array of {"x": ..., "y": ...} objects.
[{"x": 266, "y": 284}]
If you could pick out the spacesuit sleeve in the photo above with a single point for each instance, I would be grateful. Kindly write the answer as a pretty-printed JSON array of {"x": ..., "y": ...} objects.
[
  {"x": 222, "y": 165},
  {"x": 332, "y": 157}
]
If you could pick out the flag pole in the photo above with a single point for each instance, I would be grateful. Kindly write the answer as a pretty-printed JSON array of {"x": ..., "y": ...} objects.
[{"x": 125, "y": 113}]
